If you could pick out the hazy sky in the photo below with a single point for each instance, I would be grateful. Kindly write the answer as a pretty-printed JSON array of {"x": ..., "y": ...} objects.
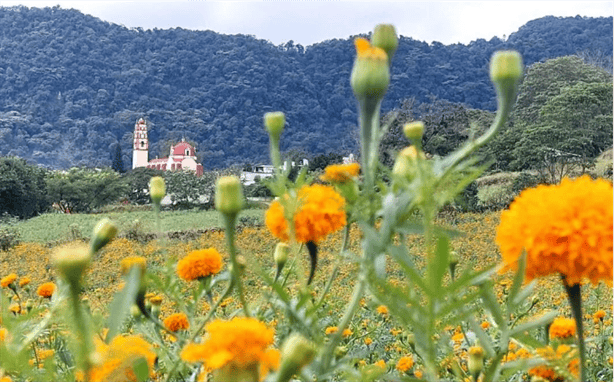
[{"x": 307, "y": 22}]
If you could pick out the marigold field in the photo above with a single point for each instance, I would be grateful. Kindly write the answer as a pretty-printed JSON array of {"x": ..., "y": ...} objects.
[{"x": 373, "y": 337}]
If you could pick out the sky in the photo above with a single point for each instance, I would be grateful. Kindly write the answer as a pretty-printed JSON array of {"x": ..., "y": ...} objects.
[{"x": 310, "y": 21}]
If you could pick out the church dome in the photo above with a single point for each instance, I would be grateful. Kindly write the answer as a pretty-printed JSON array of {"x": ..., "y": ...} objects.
[{"x": 184, "y": 148}]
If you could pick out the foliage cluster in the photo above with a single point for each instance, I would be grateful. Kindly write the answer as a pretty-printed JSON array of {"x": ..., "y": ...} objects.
[{"x": 72, "y": 86}]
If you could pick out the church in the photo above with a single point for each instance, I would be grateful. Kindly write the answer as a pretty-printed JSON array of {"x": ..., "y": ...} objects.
[{"x": 182, "y": 156}]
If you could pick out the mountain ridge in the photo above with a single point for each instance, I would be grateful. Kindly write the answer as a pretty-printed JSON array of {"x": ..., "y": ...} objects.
[{"x": 72, "y": 85}]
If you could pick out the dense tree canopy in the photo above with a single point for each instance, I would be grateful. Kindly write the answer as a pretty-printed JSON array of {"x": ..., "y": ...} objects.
[{"x": 72, "y": 86}]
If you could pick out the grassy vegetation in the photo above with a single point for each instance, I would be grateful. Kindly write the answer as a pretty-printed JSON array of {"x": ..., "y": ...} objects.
[{"x": 53, "y": 227}]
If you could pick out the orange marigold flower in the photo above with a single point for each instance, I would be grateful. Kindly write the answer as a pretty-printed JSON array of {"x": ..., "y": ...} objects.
[
  {"x": 177, "y": 321},
  {"x": 8, "y": 280},
  {"x": 405, "y": 363},
  {"x": 200, "y": 263},
  {"x": 46, "y": 290},
  {"x": 242, "y": 342},
  {"x": 118, "y": 358},
  {"x": 340, "y": 173},
  {"x": 382, "y": 309},
  {"x": 565, "y": 228},
  {"x": 15, "y": 308},
  {"x": 4, "y": 333},
  {"x": 485, "y": 324},
  {"x": 321, "y": 212},
  {"x": 562, "y": 327},
  {"x": 24, "y": 281},
  {"x": 599, "y": 315}
]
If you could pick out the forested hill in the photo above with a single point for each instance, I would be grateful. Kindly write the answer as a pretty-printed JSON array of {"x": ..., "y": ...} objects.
[{"x": 72, "y": 86}]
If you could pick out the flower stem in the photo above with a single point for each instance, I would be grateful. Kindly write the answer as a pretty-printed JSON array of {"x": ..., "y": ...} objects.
[
  {"x": 575, "y": 301},
  {"x": 229, "y": 224}
]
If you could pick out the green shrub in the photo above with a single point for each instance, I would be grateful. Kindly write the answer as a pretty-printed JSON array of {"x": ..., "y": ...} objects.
[{"x": 495, "y": 197}]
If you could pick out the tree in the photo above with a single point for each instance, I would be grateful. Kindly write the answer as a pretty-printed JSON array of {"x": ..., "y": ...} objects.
[
  {"x": 137, "y": 182},
  {"x": 84, "y": 190},
  {"x": 23, "y": 191},
  {"x": 118, "y": 162},
  {"x": 562, "y": 116},
  {"x": 573, "y": 128}
]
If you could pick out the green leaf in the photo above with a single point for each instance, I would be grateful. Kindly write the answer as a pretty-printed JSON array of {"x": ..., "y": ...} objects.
[
  {"x": 524, "y": 293},
  {"x": 141, "y": 369},
  {"x": 485, "y": 340},
  {"x": 491, "y": 303},
  {"x": 539, "y": 322},
  {"x": 401, "y": 255},
  {"x": 123, "y": 301},
  {"x": 439, "y": 265},
  {"x": 517, "y": 284}
]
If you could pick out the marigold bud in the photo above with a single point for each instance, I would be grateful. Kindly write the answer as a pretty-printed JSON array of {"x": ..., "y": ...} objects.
[
  {"x": 296, "y": 352},
  {"x": 228, "y": 195},
  {"x": 281, "y": 253},
  {"x": 104, "y": 232},
  {"x": 414, "y": 130},
  {"x": 476, "y": 361},
  {"x": 274, "y": 123},
  {"x": 371, "y": 74},
  {"x": 385, "y": 37},
  {"x": 505, "y": 73},
  {"x": 505, "y": 66},
  {"x": 157, "y": 189},
  {"x": 71, "y": 260}
]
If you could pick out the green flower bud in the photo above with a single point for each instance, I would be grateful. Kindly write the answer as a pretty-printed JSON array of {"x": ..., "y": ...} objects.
[
  {"x": 505, "y": 66},
  {"x": 29, "y": 305},
  {"x": 296, "y": 352},
  {"x": 71, "y": 260},
  {"x": 414, "y": 131},
  {"x": 371, "y": 74},
  {"x": 157, "y": 189},
  {"x": 228, "y": 195},
  {"x": 274, "y": 123},
  {"x": 155, "y": 311},
  {"x": 476, "y": 361},
  {"x": 281, "y": 256},
  {"x": 135, "y": 312},
  {"x": 341, "y": 351},
  {"x": 505, "y": 73},
  {"x": 104, "y": 232},
  {"x": 453, "y": 261},
  {"x": 385, "y": 37}
]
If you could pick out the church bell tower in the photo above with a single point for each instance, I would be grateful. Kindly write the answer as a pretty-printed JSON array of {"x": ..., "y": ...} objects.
[{"x": 140, "y": 147}]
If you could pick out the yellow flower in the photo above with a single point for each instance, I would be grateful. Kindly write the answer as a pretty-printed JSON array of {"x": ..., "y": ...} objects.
[
  {"x": 155, "y": 300},
  {"x": 485, "y": 324},
  {"x": 176, "y": 321},
  {"x": 46, "y": 353},
  {"x": 15, "y": 308},
  {"x": 133, "y": 261},
  {"x": 24, "y": 281},
  {"x": 4, "y": 333},
  {"x": 118, "y": 358},
  {"x": 46, "y": 290},
  {"x": 382, "y": 309},
  {"x": 340, "y": 173},
  {"x": 564, "y": 229},
  {"x": 368, "y": 341},
  {"x": 320, "y": 213},
  {"x": 405, "y": 363},
  {"x": 331, "y": 330},
  {"x": 347, "y": 333},
  {"x": 8, "y": 280},
  {"x": 562, "y": 327},
  {"x": 381, "y": 363},
  {"x": 240, "y": 342},
  {"x": 364, "y": 49},
  {"x": 200, "y": 263}
]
